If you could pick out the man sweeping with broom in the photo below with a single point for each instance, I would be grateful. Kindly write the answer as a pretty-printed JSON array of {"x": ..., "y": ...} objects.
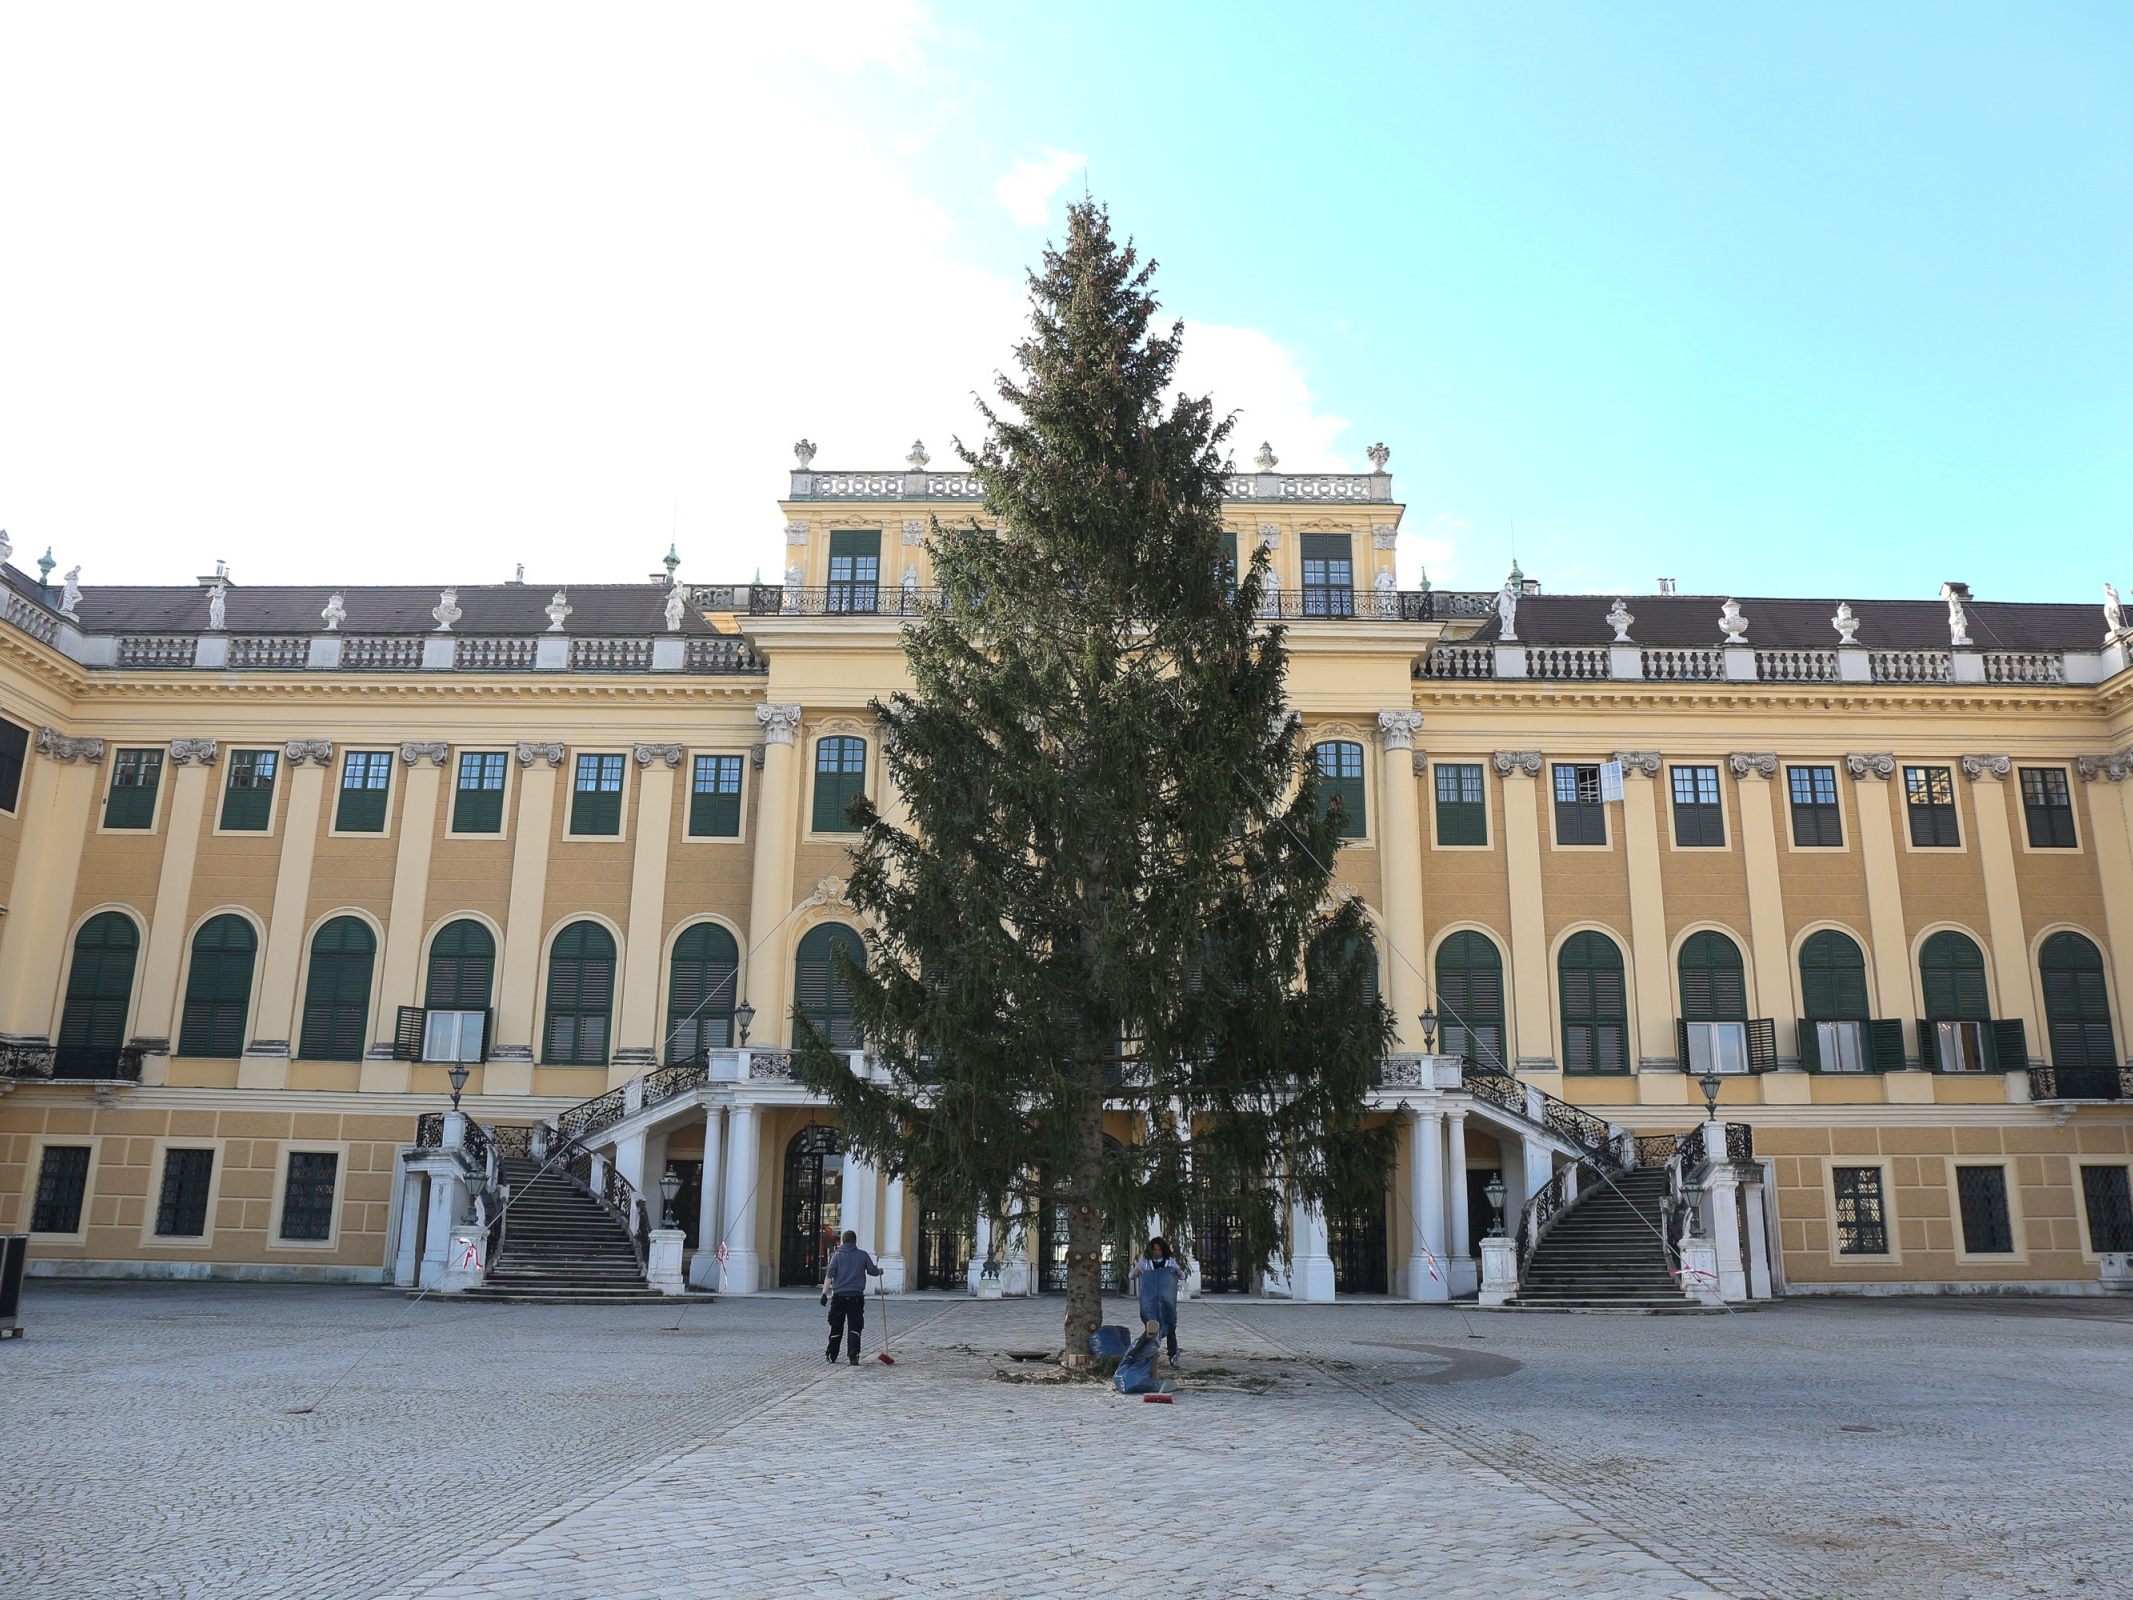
[{"x": 844, "y": 1291}]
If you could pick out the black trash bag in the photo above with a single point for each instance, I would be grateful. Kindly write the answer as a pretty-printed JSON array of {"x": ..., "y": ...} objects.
[
  {"x": 1110, "y": 1340},
  {"x": 1136, "y": 1369}
]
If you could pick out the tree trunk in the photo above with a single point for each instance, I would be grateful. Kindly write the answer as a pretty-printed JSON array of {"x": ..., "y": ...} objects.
[{"x": 1084, "y": 1265}]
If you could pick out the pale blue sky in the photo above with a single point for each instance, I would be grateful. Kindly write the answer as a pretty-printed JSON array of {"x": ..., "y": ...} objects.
[{"x": 1801, "y": 299}]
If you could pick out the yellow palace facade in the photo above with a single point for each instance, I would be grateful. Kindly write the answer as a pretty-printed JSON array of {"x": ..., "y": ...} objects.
[{"x": 276, "y": 861}]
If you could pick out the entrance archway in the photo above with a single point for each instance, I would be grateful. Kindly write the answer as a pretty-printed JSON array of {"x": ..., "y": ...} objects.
[
  {"x": 1355, "y": 1238},
  {"x": 813, "y": 1213},
  {"x": 943, "y": 1248}
]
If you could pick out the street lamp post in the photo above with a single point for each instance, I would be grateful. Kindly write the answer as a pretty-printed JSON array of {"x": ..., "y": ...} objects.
[
  {"x": 1494, "y": 1190},
  {"x": 458, "y": 1075},
  {"x": 744, "y": 1014},
  {"x": 1428, "y": 1019},
  {"x": 669, "y": 1187},
  {"x": 1709, "y": 1083}
]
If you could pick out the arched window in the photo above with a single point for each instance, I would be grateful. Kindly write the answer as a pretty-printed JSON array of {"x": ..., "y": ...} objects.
[
  {"x": 99, "y": 990},
  {"x": 218, "y": 989},
  {"x": 1470, "y": 999},
  {"x": 1712, "y": 1031},
  {"x": 581, "y": 989},
  {"x": 813, "y": 1213},
  {"x": 700, "y": 991},
  {"x": 1834, "y": 1036},
  {"x": 462, "y": 967},
  {"x": 337, "y": 994},
  {"x": 1339, "y": 764},
  {"x": 1319, "y": 959},
  {"x": 1595, "y": 1004},
  {"x": 840, "y": 775},
  {"x": 1956, "y": 1033},
  {"x": 820, "y": 994},
  {"x": 2077, "y": 1014}
]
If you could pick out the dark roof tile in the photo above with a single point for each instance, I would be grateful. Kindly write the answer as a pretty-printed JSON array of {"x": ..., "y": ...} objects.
[
  {"x": 1675, "y": 620},
  {"x": 632, "y": 609}
]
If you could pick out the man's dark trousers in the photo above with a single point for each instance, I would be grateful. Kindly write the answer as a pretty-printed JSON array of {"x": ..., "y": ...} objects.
[{"x": 848, "y": 1316}]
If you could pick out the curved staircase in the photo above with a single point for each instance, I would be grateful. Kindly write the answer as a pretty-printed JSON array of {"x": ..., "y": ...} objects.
[
  {"x": 561, "y": 1247},
  {"x": 1606, "y": 1252}
]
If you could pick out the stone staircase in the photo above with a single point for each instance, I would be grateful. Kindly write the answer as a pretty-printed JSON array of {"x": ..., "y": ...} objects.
[
  {"x": 1607, "y": 1252},
  {"x": 561, "y": 1247}
]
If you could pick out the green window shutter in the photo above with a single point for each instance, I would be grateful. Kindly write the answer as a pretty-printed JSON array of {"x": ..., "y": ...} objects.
[
  {"x": 581, "y": 989},
  {"x": 218, "y": 990},
  {"x": 408, "y": 1023},
  {"x": 821, "y": 995},
  {"x": 1884, "y": 1044},
  {"x": 14, "y": 753},
  {"x": 337, "y": 992},
  {"x": 715, "y": 798},
  {"x": 1762, "y": 1045},
  {"x": 1833, "y": 978},
  {"x": 1713, "y": 986},
  {"x": 1470, "y": 999},
  {"x": 2077, "y": 1010},
  {"x": 854, "y": 569},
  {"x": 700, "y": 992},
  {"x": 366, "y": 785},
  {"x": 1328, "y": 575},
  {"x": 462, "y": 967},
  {"x": 100, "y": 984},
  {"x": 478, "y": 798},
  {"x": 1339, "y": 765},
  {"x": 1810, "y": 1045},
  {"x": 135, "y": 776},
  {"x": 596, "y": 796},
  {"x": 248, "y": 792},
  {"x": 840, "y": 776},
  {"x": 1595, "y": 1003},
  {"x": 2009, "y": 1045},
  {"x": 1462, "y": 807},
  {"x": 1951, "y": 972}
]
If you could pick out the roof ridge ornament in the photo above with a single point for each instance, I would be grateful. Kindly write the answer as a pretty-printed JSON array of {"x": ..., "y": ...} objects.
[
  {"x": 917, "y": 458},
  {"x": 446, "y": 610},
  {"x": 558, "y": 608},
  {"x": 335, "y": 613},
  {"x": 804, "y": 453},
  {"x": 1731, "y": 623},
  {"x": 1378, "y": 455},
  {"x": 1619, "y": 619},
  {"x": 1846, "y": 622},
  {"x": 1266, "y": 460}
]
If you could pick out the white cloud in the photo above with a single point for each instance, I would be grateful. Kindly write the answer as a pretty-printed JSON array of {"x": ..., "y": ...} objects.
[
  {"x": 1027, "y": 188},
  {"x": 1260, "y": 379}
]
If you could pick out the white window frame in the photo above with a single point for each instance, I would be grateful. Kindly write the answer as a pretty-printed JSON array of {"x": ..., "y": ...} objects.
[
  {"x": 1717, "y": 1047},
  {"x": 1833, "y": 1056},
  {"x": 457, "y": 1024}
]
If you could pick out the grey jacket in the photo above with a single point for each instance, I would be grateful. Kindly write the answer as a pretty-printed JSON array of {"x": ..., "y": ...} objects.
[{"x": 849, "y": 1270}]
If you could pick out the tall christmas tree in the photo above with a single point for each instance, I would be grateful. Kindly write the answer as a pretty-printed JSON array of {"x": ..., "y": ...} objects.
[{"x": 1107, "y": 973}]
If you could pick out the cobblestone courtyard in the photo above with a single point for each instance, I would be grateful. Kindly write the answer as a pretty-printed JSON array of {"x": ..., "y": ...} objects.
[{"x": 155, "y": 1443}]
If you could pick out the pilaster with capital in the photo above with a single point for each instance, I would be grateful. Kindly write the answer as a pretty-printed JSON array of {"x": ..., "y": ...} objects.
[
  {"x": 421, "y": 787},
  {"x": 185, "y": 752},
  {"x": 432, "y": 752},
  {"x": 1400, "y": 860},
  {"x": 1638, "y": 763},
  {"x": 192, "y": 777},
  {"x": 548, "y": 752},
  {"x": 296, "y": 752},
  {"x": 1753, "y": 764},
  {"x": 770, "y": 892},
  {"x": 1993, "y": 808}
]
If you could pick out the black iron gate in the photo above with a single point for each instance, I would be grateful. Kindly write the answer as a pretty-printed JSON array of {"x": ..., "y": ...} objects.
[
  {"x": 1355, "y": 1238},
  {"x": 814, "y": 1204},
  {"x": 943, "y": 1249},
  {"x": 1221, "y": 1266}
]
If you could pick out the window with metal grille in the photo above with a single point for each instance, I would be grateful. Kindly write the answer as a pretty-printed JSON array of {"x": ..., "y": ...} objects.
[
  {"x": 1470, "y": 999},
  {"x": 1595, "y": 1004},
  {"x": 218, "y": 989},
  {"x": 248, "y": 793},
  {"x": 1929, "y": 799},
  {"x": 1862, "y": 1225},
  {"x": 1988, "y": 1229},
  {"x": 366, "y": 779},
  {"x": 854, "y": 570},
  {"x": 99, "y": 985},
  {"x": 1339, "y": 765},
  {"x": 2048, "y": 808},
  {"x": 1699, "y": 820},
  {"x": 700, "y": 991},
  {"x": 1328, "y": 575},
  {"x": 596, "y": 796},
  {"x": 2077, "y": 1015},
  {"x": 1462, "y": 804},
  {"x": 840, "y": 775},
  {"x": 1580, "y": 818},
  {"x": 181, "y": 1212},
  {"x": 307, "y": 1196},
  {"x": 62, "y": 1180},
  {"x": 478, "y": 796},
  {"x": 134, "y": 777},
  {"x": 2107, "y": 1196},
  {"x": 1817, "y": 818},
  {"x": 581, "y": 992},
  {"x": 14, "y": 752},
  {"x": 715, "y": 798},
  {"x": 820, "y": 992},
  {"x": 337, "y": 991}
]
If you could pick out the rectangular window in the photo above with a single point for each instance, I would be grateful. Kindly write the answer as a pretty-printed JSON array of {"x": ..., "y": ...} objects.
[
  {"x": 1698, "y": 818},
  {"x": 2048, "y": 808},
  {"x": 1988, "y": 1229},
  {"x": 366, "y": 776},
  {"x": 182, "y": 1211},
  {"x": 1339, "y": 765},
  {"x": 1962, "y": 1046},
  {"x": 1328, "y": 576},
  {"x": 61, "y": 1181},
  {"x": 596, "y": 797},
  {"x": 1929, "y": 796},
  {"x": 478, "y": 797},
  {"x": 453, "y": 1035},
  {"x": 307, "y": 1198},
  {"x": 715, "y": 798},
  {"x": 1816, "y": 818},
  {"x": 840, "y": 775},
  {"x": 1717, "y": 1047},
  {"x": 1580, "y": 818},
  {"x": 1462, "y": 804},
  {"x": 1862, "y": 1225},
  {"x": 2107, "y": 1195},
  {"x": 14, "y": 751},
  {"x": 1841, "y": 1046},
  {"x": 134, "y": 776},
  {"x": 248, "y": 797},
  {"x": 854, "y": 570}
]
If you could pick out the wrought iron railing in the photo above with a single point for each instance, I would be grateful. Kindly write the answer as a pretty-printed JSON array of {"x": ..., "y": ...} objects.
[
  {"x": 895, "y": 600},
  {"x": 66, "y": 1063},
  {"x": 429, "y": 1130},
  {"x": 1579, "y": 1127},
  {"x": 1655, "y": 1149},
  {"x": 515, "y": 1142},
  {"x": 770, "y": 1066},
  {"x": 1740, "y": 1142},
  {"x": 474, "y": 1145},
  {"x": 2081, "y": 1083},
  {"x": 1498, "y": 1088},
  {"x": 664, "y": 1083},
  {"x": 589, "y": 1117},
  {"x": 1550, "y": 1201}
]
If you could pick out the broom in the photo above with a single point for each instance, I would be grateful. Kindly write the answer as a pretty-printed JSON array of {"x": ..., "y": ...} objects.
[{"x": 883, "y": 1356}]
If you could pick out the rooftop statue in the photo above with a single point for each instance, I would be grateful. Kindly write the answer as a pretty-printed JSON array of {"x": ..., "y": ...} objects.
[
  {"x": 1732, "y": 624},
  {"x": 1958, "y": 619},
  {"x": 1378, "y": 455},
  {"x": 675, "y": 603},
  {"x": 2114, "y": 614},
  {"x": 804, "y": 452},
  {"x": 1846, "y": 622},
  {"x": 558, "y": 609},
  {"x": 335, "y": 613},
  {"x": 446, "y": 610},
  {"x": 217, "y": 604},
  {"x": 1266, "y": 460},
  {"x": 70, "y": 595},
  {"x": 1507, "y": 607},
  {"x": 1619, "y": 619}
]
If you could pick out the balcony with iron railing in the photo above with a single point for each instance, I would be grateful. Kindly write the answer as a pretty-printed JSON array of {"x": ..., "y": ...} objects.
[{"x": 49, "y": 1063}]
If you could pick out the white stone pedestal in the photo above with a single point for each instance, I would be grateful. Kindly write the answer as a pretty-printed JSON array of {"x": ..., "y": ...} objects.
[
  {"x": 465, "y": 1261},
  {"x": 987, "y": 1286},
  {"x": 1499, "y": 1269},
  {"x": 662, "y": 1266},
  {"x": 1699, "y": 1270}
]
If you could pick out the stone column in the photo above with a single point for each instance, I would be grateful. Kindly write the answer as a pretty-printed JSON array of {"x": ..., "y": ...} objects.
[
  {"x": 1650, "y": 969},
  {"x": 408, "y": 1243},
  {"x": 980, "y": 1249},
  {"x": 1757, "y": 1197},
  {"x": 1428, "y": 1268},
  {"x": 1310, "y": 1266},
  {"x": 777, "y": 822},
  {"x": 447, "y": 1193},
  {"x": 2110, "y": 825},
  {"x": 1990, "y": 779},
  {"x": 640, "y": 1032},
  {"x": 1459, "y": 1228},
  {"x": 1722, "y": 1194},
  {"x": 703, "y": 1267},
  {"x": 399, "y": 978},
  {"x": 892, "y": 1238},
  {"x": 1400, "y": 875},
  {"x": 861, "y": 1180},
  {"x": 57, "y": 811},
  {"x": 309, "y": 762},
  {"x": 192, "y": 772},
  {"x": 1884, "y": 887},
  {"x": 1768, "y": 950},
  {"x": 1533, "y": 1035},
  {"x": 740, "y": 1225},
  {"x": 511, "y": 1055}
]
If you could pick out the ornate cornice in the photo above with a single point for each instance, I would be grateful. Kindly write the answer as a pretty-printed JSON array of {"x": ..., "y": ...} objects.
[
  {"x": 1753, "y": 763},
  {"x": 645, "y": 754},
  {"x": 1397, "y": 729},
  {"x": 434, "y": 751},
  {"x": 184, "y": 752},
  {"x": 56, "y": 746},
  {"x": 830, "y": 726},
  {"x": 2116, "y": 767},
  {"x": 549, "y": 751},
  {"x": 1526, "y": 761},
  {"x": 1879, "y": 764},
  {"x": 1643, "y": 763},
  {"x": 297, "y": 751},
  {"x": 779, "y": 722},
  {"x": 1976, "y": 767}
]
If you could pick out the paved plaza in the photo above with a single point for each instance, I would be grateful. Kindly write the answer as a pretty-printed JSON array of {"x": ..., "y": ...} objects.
[{"x": 156, "y": 1442}]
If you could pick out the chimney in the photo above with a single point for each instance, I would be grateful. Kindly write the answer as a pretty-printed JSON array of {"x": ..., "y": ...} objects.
[
  {"x": 1666, "y": 585},
  {"x": 1955, "y": 591}
]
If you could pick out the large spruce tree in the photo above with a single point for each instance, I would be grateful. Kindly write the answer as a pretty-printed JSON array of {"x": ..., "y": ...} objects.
[{"x": 1107, "y": 880}]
